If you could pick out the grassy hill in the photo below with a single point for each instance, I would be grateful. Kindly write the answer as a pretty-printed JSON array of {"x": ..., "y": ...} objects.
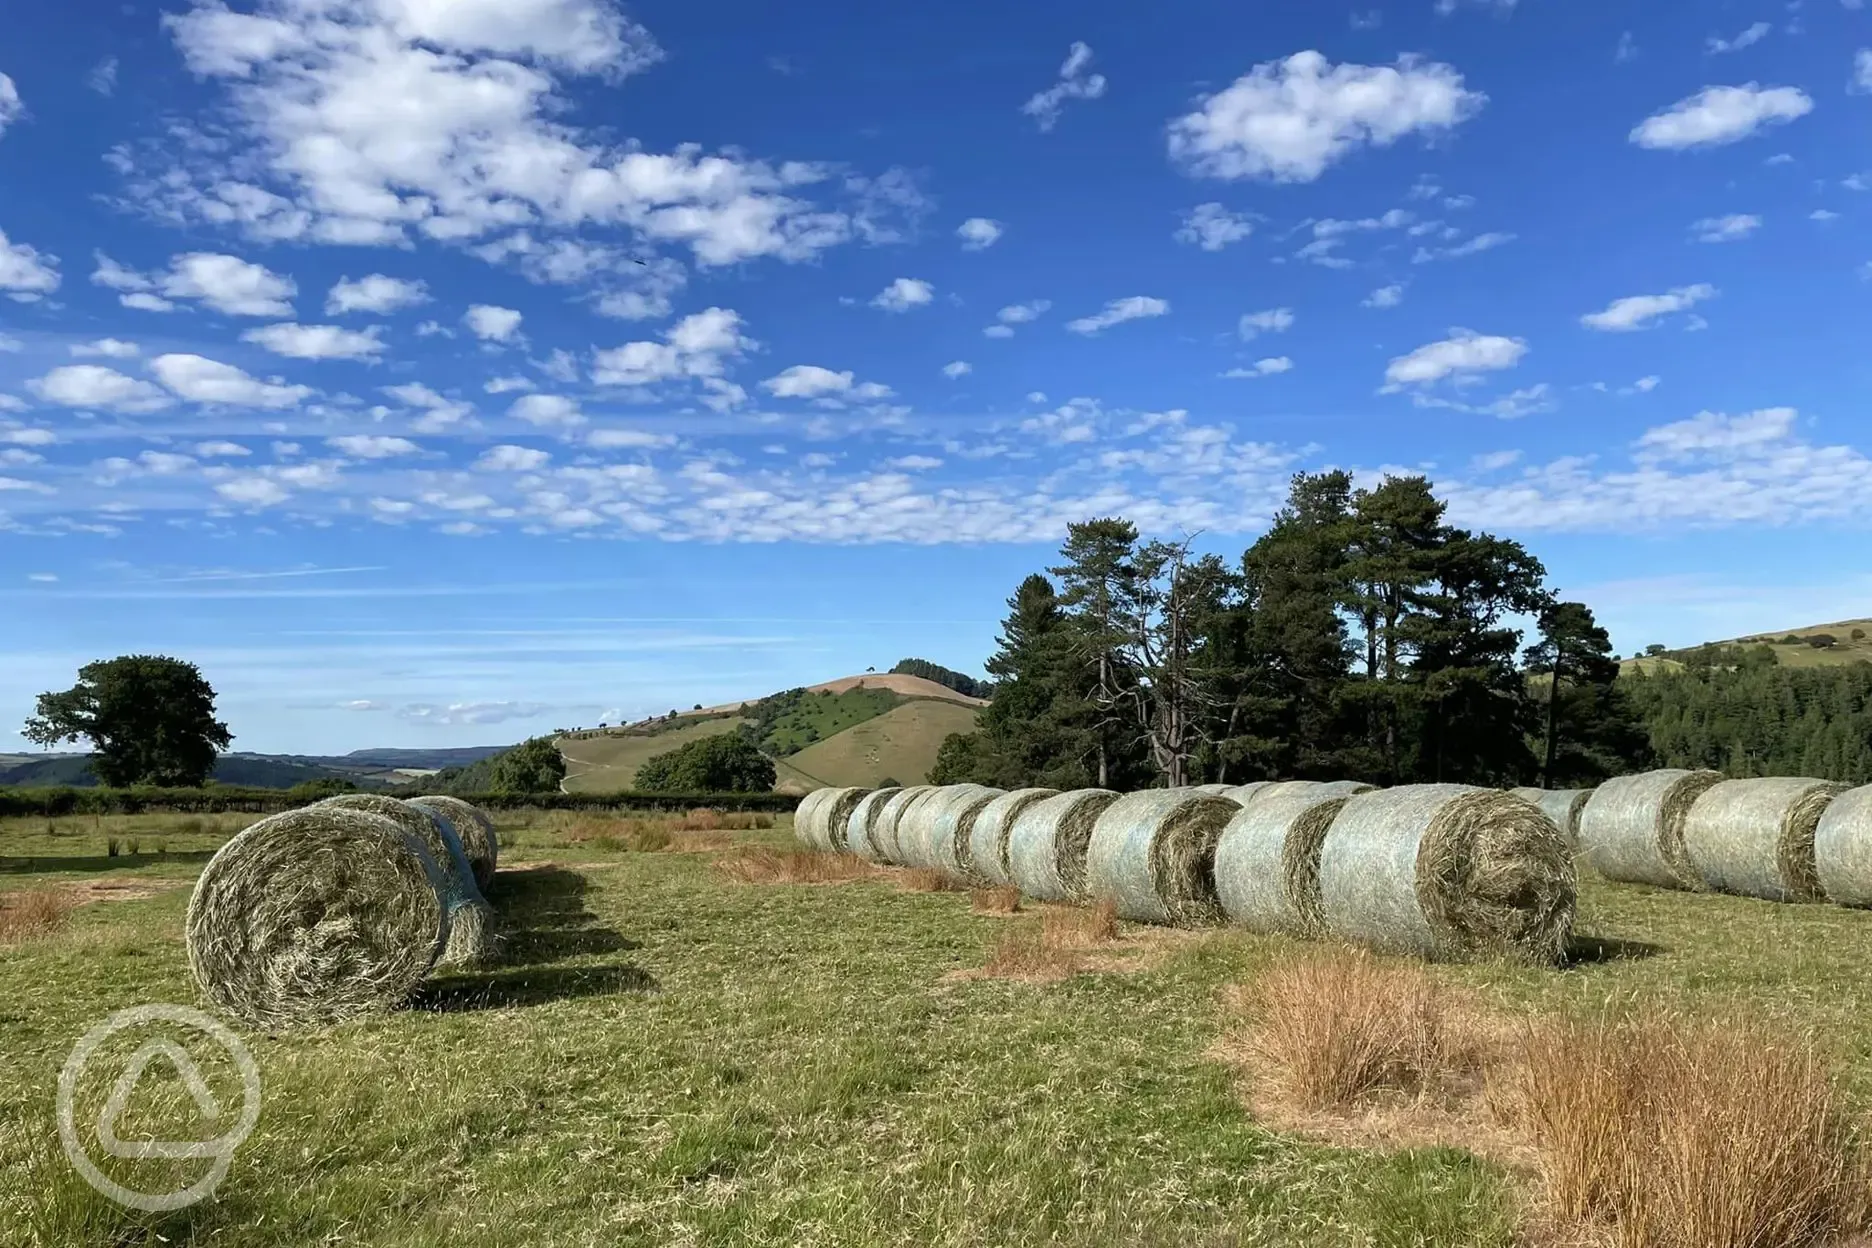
[
  {"x": 607, "y": 762},
  {"x": 900, "y": 744},
  {"x": 1797, "y": 653}
]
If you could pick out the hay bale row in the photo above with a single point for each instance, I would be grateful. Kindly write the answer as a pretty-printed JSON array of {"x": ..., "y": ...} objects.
[
  {"x": 990, "y": 832},
  {"x": 1843, "y": 848},
  {"x": 860, "y": 828},
  {"x": 1632, "y": 829},
  {"x": 332, "y": 911},
  {"x": 1563, "y": 806},
  {"x": 471, "y": 919},
  {"x": 935, "y": 833},
  {"x": 1153, "y": 855},
  {"x": 474, "y": 828},
  {"x": 1448, "y": 871},
  {"x": 1047, "y": 844},
  {"x": 1267, "y": 863},
  {"x": 823, "y": 818},
  {"x": 1755, "y": 838}
]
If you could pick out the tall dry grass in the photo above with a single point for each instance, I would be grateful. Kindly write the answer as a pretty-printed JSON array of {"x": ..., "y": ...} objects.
[
  {"x": 1003, "y": 900},
  {"x": 32, "y": 913},
  {"x": 1054, "y": 948}
]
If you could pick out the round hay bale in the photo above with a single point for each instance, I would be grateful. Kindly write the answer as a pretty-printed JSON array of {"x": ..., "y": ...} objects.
[
  {"x": 860, "y": 827},
  {"x": 471, "y": 936},
  {"x": 1047, "y": 844},
  {"x": 1267, "y": 863},
  {"x": 1563, "y": 806},
  {"x": 912, "y": 826},
  {"x": 1446, "y": 870},
  {"x": 988, "y": 835},
  {"x": 1212, "y": 790},
  {"x": 1317, "y": 788},
  {"x": 946, "y": 820},
  {"x": 1632, "y": 829},
  {"x": 1245, "y": 793},
  {"x": 804, "y": 830},
  {"x": 1153, "y": 853},
  {"x": 884, "y": 832},
  {"x": 832, "y": 818},
  {"x": 1843, "y": 848},
  {"x": 315, "y": 916},
  {"x": 1755, "y": 838},
  {"x": 474, "y": 828}
]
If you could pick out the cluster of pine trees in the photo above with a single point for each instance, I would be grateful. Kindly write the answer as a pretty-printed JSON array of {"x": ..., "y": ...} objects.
[{"x": 1361, "y": 637}]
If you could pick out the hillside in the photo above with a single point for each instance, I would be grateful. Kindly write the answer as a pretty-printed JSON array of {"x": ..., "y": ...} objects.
[
  {"x": 607, "y": 762},
  {"x": 899, "y": 745},
  {"x": 1846, "y": 648},
  {"x": 907, "y": 686}
]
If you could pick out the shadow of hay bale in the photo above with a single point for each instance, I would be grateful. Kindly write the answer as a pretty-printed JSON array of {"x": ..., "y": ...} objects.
[
  {"x": 528, "y": 986},
  {"x": 544, "y": 918},
  {"x": 1597, "y": 950}
]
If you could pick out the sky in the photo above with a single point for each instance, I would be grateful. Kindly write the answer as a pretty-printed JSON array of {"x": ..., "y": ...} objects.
[{"x": 442, "y": 372}]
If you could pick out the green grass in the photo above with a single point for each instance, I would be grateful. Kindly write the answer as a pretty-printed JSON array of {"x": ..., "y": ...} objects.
[
  {"x": 900, "y": 744},
  {"x": 608, "y": 762},
  {"x": 823, "y": 715},
  {"x": 670, "y": 1058}
]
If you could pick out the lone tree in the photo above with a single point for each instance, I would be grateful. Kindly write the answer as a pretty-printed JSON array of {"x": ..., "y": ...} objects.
[
  {"x": 726, "y": 763},
  {"x": 150, "y": 720},
  {"x": 534, "y": 766}
]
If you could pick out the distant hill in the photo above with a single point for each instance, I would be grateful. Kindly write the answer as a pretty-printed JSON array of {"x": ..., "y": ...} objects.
[
  {"x": 1792, "y": 648},
  {"x": 898, "y": 745},
  {"x": 365, "y": 768}
]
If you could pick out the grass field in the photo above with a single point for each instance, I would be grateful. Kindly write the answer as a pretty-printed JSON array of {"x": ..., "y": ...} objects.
[
  {"x": 900, "y": 744},
  {"x": 607, "y": 762},
  {"x": 821, "y": 716},
  {"x": 669, "y": 1056}
]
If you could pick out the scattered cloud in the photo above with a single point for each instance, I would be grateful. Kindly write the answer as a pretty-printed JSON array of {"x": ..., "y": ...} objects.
[
  {"x": 103, "y": 76},
  {"x": 1385, "y": 297},
  {"x": 228, "y": 284},
  {"x": 491, "y": 323},
  {"x": 1074, "y": 84},
  {"x": 318, "y": 342},
  {"x": 1117, "y": 312},
  {"x": 547, "y": 411},
  {"x": 1474, "y": 246},
  {"x": 698, "y": 346},
  {"x": 903, "y": 294},
  {"x": 1718, "y": 115},
  {"x": 438, "y": 413},
  {"x": 1716, "y": 45},
  {"x": 979, "y": 233},
  {"x": 1627, "y": 49},
  {"x": 957, "y": 368},
  {"x": 1262, "y": 368},
  {"x": 114, "y": 348},
  {"x": 1213, "y": 227},
  {"x": 480, "y": 713},
  {"x": 372, "y": 446},
  {"x": 1643, "y": 311},
  {"x": 1289, "y": 121},
  {"x": 26, "y": 274},
  {"x": 202, "y": 380},
  {"x": 1461, "y": 357},
  {"x": 11, "y": 108},
  {"x": 1729, "y": 229},
  {"x": 1862, "y": 72},
  {"x": 1271, "y": 321},
  {"x": 1017, "y": 314},
  {"x": 512, "y": 459},
  {"x": 374, "y": 293},
  {"x": 94, "y": 387},
  {"x": 807, "y": 381}
]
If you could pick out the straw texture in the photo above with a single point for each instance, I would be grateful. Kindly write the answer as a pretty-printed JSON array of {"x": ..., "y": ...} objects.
[
  {"x": 805, "y": 825},
  {"x": 1267, "y": 863},
  {"x": 1153, "y": 854},
  {"x": 1047, "y": 844},
  {"x": 988, "y": 835},
  {"x": 1633, "y": 827},
  {"x": 471, "y": 919},
  {"x": 1245, "y": 793},
  {"x": 1445, "y": 870},
  {"x": 1563, "y": 806},
  {"x": 1843, "y": 848},
  {"x": 832, "y": 817},
  {"x": 474, "y": 828},
  {"x": 1755, "y": 838},
  {"x": 315, "y": 916},
  {"x": 860, "y": 827}
]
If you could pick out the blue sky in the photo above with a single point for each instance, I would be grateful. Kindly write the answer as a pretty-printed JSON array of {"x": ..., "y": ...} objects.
[{"x": 442, "y": 371}]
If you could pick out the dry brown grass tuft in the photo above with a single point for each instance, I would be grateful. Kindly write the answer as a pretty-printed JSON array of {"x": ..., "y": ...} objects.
[
  {"x": 1676, "y": 1133},
  {"x": 1003, "y": 900},
  {"x": 1026, "y": 953},
  {"x": 930, "y": 880},
  {"x": 794, "y": 866},
  {"x": 1081, "y": 928},
  {"x": 32, "y": 913}
]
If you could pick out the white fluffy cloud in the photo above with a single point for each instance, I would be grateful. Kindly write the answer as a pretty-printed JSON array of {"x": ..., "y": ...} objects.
[
  {"x": 252, "y": 491},
  {"x": 1074, "y": 84},
  {"x": 698, "y": 346},
  {"x": 1271, "y": 321},
  {"x": 11, "y": 109},
  {"x": 547, "y": 411},
  {"x": 113, "y": 348},
  {"x": 957, "y": 368},
  {"x": 318, "y": 342},
  {"x": 807, "y": 381},
  {"x": 1213, "y": 227},
  {"x": 94, "y": 387},
  {"x": 1017, "y": 314},
  {"x": 1263, "y": 368},
  {"x": 903, "y": 294},
  {"x": 1719, "y": 115},
  {"x": 979, "y": 233},
  {"x": 1461, "y": 356},
  {"x": 512, "y": 459},
  {"x": 491, "y": 323},
  {"x": 26, "y": 274},
  {"x": 1643, "y": 311},
  {"x": 1729, "y": 229},
  {"x": 1117, "y": 312},
  {"x": 439, "y": 412},
  {"x": 374, "y": 293},
  {"x": 1288, "y": 121},
  {"x": 225, "y": 283},
  {"x": 202, "y": 380},
  {"x": 372, "y": 446}
]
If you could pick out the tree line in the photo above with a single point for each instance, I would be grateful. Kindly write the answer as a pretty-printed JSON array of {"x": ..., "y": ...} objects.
[{"x": 1362, "y": 636}]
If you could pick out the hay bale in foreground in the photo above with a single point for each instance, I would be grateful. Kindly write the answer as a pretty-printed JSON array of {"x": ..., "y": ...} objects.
[
  {"x": 1245, "y": 793},
  {"x": 1267, "y": 863},
  {"x": 805, "y": 829},
  {"x": 1632, "y": 829},
  {"x": 1446, "y": 870},
  {"x": 315, "y": 916},
  {"x": 1047, "y": 843},
  {"x": 934, "y": 833},
  {"x": 471, "y": 919},
  {"x": 1755, "y": 838},
  {"x": 988, "y": 835},
  {"x": 1843, "y": 848},
  {"x": 1153, "y": 853},
  {"x": 474, "y": 828},
  {"x": 884, "y": 832},
  {"x": 1563, "y": 806},
  {"x": 863, "y": 821}
]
